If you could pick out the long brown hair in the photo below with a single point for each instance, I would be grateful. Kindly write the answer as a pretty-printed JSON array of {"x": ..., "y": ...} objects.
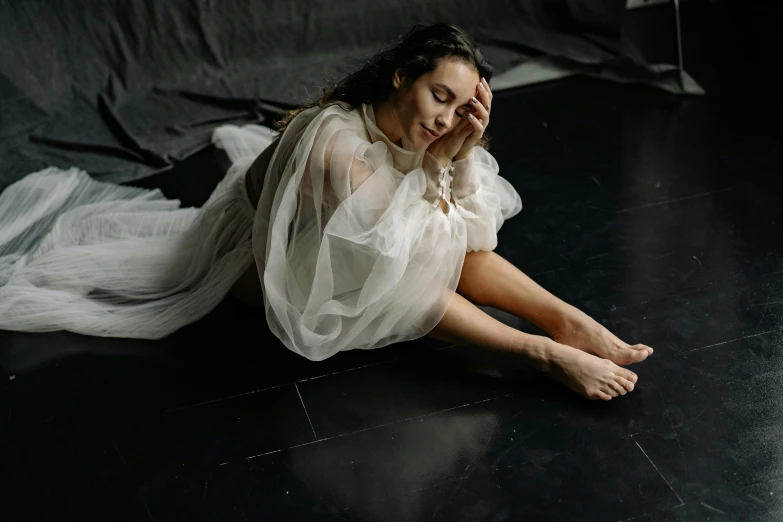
[{"x": 417, "y": 53}]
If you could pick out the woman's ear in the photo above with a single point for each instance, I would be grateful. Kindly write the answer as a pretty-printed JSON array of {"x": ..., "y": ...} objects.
[{"x": 399, "y": 78}]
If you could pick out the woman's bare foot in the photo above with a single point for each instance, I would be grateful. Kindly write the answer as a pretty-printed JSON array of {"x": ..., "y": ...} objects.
[
  {"x": 588, "y": 375},
  {"x": 585, "y": 333}
]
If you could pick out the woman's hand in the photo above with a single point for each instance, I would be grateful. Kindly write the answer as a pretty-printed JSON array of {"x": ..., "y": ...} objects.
[
  {"x": 459, "y": 142},
  {"x": 479, "y": 119},
  {"x": 448, "y": 145}
]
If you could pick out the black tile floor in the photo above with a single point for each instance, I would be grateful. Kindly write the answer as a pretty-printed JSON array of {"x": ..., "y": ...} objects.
[{"x": 658, "y": 215}]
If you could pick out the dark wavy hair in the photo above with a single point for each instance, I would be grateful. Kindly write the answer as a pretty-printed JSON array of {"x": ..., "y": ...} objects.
[{"x": 417, "y": 52}]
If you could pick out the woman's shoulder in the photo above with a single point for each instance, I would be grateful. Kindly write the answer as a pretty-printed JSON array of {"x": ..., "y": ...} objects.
[
  {"x": 327, "y": 122},
  {"x": 349, "y": 116}
]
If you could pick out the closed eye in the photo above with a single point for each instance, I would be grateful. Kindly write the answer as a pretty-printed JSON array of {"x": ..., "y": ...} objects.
[{"x": 444, "y": 101}]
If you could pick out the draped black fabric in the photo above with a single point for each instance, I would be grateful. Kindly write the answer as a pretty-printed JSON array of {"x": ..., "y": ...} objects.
[{"x": 124, "y": 89}]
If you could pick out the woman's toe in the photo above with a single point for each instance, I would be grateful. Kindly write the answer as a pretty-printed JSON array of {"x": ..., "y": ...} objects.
[
  {"x": 625, "y": 383},
  {"x": 617, "y": 387},
  {"x": 641, "y": 347},
  {"x": 624, "y": 354},
  {"x": 603, "y": 396},
  {"x": 639, "y": 354},
  {"x": 628, "y": 375}
]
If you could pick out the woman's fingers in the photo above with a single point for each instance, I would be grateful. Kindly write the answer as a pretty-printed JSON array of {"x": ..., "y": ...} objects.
[
  {"x": 477, "y": 125},
  {"x": 483, "y": 104},
  {"x": 463, "y": 126},
  {"x": 481, "y": 112},
  {"x": 486, "y": 92},
  {"x": 484, "y": 99},
  {"x": 469, "y": 128}
]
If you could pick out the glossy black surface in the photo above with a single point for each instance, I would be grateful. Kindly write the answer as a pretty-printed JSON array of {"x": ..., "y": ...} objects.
[{"x": 658, "y": 215}]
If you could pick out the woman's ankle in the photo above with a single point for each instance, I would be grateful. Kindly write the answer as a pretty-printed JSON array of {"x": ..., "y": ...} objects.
[
  {"x": 540, "y": 352},
  {"x": 561, "y": 319}
]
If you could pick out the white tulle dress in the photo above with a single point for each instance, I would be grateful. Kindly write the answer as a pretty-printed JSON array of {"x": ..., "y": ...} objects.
[{"x": 351, "y": 247}]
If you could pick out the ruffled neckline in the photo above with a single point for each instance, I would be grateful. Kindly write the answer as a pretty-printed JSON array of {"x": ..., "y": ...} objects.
[{"x": 407, "y": 157}]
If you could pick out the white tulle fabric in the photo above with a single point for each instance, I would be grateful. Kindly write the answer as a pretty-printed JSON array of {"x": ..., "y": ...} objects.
[{"x": 350, "y": 244}]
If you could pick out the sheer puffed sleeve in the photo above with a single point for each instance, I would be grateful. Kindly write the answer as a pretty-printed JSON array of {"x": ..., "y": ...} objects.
[
  {"x": 353, "y": 252},
  {"x": 483, "y": 198}
]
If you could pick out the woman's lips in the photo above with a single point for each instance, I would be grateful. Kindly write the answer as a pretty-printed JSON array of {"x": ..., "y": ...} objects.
[{"x": 431, "y": 133}]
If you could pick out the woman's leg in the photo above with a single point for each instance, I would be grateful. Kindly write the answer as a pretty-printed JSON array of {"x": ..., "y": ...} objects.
[
  {"x": 595, "y": 378},
  {"x": 489, "y": 280},
  {"x": 467, "y": 325}
]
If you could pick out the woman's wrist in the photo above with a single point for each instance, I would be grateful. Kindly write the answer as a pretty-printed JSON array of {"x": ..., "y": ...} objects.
[
  {"x": 443, "y": 161},
  {"x": 463, "y": 155}
]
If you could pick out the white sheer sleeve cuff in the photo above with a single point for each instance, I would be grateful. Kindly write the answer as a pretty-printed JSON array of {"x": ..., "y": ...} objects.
[
  {"x": 483, "y": 199},
  {"x": 465, "y": 181},
  {"x": 438, "y": 180}
]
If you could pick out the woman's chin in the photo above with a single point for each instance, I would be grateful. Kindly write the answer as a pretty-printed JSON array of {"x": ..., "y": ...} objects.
[{"x": 419, "y": 142}]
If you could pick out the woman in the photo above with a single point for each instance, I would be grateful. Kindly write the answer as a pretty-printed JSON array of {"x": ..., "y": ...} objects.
[{"x": 369, "y": 220}]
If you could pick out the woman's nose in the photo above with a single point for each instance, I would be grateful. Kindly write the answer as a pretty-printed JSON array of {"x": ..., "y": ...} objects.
[{"x": 446, "y": 120}]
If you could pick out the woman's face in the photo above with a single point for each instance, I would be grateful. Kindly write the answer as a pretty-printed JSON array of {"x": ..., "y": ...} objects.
[{"x": 435, "y": 103}]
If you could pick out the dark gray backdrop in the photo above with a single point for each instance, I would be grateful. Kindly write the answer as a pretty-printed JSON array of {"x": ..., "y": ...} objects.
[{"x": 123, "y": 89}]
